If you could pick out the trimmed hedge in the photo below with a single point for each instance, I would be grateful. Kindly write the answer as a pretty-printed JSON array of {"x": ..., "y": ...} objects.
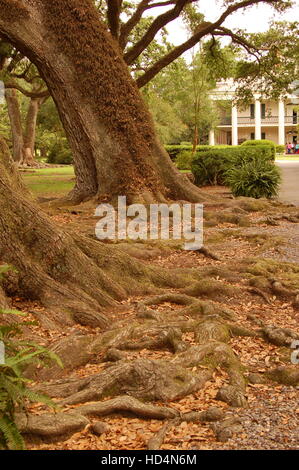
[
  {"x": 259, "y": 143},
  {"x": 174, "y": 150},
  {"x": 211, "y": 166}
]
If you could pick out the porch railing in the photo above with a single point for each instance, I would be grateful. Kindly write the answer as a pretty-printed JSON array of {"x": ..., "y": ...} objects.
[{"x": 227, "y": 121}]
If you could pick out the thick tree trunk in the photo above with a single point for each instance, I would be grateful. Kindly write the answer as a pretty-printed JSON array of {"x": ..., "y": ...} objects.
[
  {"x": 14, "y": 114},
  {"x": 49, "y": 262},
  {"x": 110, "y": 131}
]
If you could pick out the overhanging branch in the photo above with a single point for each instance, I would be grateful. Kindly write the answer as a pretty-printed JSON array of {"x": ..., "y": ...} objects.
[
  {"x": 205, "y": 29},
  {"x": 157, "y": 25}
]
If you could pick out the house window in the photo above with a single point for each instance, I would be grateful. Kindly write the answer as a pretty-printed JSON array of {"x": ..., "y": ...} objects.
[
  {"x": 252, "y": 136},
  {"x": 263, "y": 111},
  {"x": 294, "y": 117}
]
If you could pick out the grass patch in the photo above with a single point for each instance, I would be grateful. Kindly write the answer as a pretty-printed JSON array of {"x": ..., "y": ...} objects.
[
  {"x": 61, "y": 170},
  {"x": 50, "y": 182}
]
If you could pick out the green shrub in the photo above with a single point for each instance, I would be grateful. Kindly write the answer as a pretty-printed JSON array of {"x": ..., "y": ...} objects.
[
  {"x": 174, "y": 150},
  {"x": 280, "y": 149},
  {"x": 60, "y": 153},
  {"x": 183, "y": 160},
  {"x": 258, "y": 143},
  {"x": 256, "y": 178},
  {"x": 209, "y": 167}
]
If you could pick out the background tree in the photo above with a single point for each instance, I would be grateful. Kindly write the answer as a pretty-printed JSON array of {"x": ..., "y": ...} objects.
[{"x": 23, "y": 89}]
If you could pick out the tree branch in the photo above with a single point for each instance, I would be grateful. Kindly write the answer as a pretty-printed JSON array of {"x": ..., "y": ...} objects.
[
  {"x": 144, "y": 5},
  {"x": 204, "y": 29},
  {"x": 156, "y": 25},
  {"x": 113, "y": 14},
  {"x": 160, "y": 4},
  {"x": 249, "y": 47},
  {"x": 127, "y": 27},
  {"x": 29, "y": 94}
]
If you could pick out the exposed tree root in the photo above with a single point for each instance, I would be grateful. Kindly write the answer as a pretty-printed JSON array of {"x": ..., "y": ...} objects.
[
  {"x": 204, "y": 251},
  {"x": 211, "y": 414},
  {"x": 255, "y": 290},
  {"x": 179, "y": 299},
  {"x": 142, "y": 378},
  {"x": 284, "y": 293},
  {"x": 157, "y": 440},
  {"x": 127, "y": 404},
  {"x": 51, "y": 425},
  {"x": 215, "y": 354},
  {"x": 227, "y": 428},
  {"x": 279, "y": 336},
  {"x": 212, "y": 289},
  {"x": 284, "y": 375}
]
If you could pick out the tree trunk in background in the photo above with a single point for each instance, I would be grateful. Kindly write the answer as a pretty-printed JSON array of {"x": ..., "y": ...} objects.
[
  {"x": 30, "y": 131},
  {"x": 23, "y": 141},
  {"x": 15, "y": 124},
  {"x": 109, "y": 129},
  {"x": 195, "y": 139}
]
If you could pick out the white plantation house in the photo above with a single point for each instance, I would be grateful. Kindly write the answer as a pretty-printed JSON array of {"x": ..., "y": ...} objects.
[{"x": 262, "y": 119}]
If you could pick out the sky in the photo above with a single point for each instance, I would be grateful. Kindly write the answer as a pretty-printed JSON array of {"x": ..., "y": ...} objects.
[{"x": 255, "y": 19}]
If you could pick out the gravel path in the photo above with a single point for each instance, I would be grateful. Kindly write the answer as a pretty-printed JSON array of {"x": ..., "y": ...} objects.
[{"x": 271, "y": 422}]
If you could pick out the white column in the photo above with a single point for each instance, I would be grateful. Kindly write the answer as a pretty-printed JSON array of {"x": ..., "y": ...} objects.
[
  {"x": 212, "y": 137},
  {"x": 281, "y": 128},
  {"x": 258, "y": 120},
  {"x": 234, "y": 125}
]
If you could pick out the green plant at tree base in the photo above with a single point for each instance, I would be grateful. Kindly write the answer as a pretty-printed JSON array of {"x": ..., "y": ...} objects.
[
  {"x": 14, "y": 391},
  {"x": 210, "y": 167},
  {"x": 256, "y": 178}
]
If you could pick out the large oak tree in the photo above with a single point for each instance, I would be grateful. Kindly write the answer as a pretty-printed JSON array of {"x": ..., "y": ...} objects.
[{"x": 107, "y": 124}]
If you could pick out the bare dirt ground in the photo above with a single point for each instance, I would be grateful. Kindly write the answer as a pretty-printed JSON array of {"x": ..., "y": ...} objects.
[{"x": 256, "y": 277}]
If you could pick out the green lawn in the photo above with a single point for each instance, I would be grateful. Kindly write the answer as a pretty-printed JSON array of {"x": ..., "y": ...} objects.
[
  {"x": 290, "y": 158},
  {"x": 57, "y": 182},
  {"x": 50, "y": 182}
]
